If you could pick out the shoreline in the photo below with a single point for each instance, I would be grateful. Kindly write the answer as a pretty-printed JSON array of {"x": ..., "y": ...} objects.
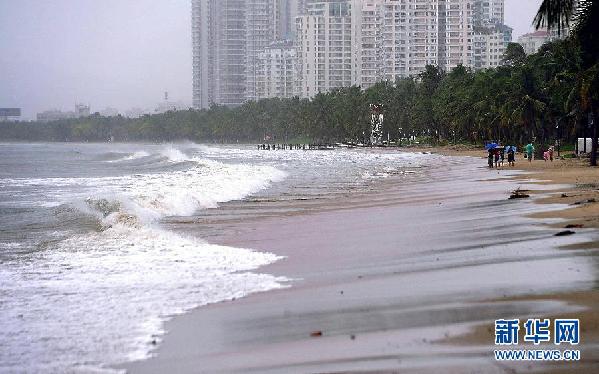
[
  {"x": 327, "y": 286},
  {"x": 581, "y": 196}
]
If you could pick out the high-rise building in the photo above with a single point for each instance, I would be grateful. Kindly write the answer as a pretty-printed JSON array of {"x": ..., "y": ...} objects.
[
  {"x": 289, "y": 10},
  {"x": 203, "y": 44},
  {"x": 489, "y": 12},
  {"x": 387, "y": 39},
  {"x": 262, "y": 17},
  {"x": 336, "y": 43},
  {"x": 276, "y": 73},
  {"x": 367, "y": 35},
  {"x": 219, "y": 52},
  {"x": 324, "y": 47},
  {"x": 227, "y": 37},
  {"x": 490, "y": 45}
]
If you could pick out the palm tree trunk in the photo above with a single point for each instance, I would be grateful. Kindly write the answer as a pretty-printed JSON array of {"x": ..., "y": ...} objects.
[{"x": 594, "y": 139}]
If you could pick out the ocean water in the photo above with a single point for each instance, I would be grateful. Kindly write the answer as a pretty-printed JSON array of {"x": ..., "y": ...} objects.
[{"x": 89, "y": 266}]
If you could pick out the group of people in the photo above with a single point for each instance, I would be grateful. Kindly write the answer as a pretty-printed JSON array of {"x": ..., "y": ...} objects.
[
  {"x": 530, "y": 153},
  {"x": 498, "y": 153}
]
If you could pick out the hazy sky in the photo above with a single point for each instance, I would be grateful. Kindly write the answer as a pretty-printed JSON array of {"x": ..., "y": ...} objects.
[{"x": 111, "y": 53}]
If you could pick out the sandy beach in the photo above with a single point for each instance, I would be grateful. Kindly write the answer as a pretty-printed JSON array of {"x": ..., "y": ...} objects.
[{"x": 407, "y": 279}]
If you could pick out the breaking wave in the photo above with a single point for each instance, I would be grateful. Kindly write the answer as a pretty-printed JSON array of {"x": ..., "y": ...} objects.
[{"x": 102, "y": 296}]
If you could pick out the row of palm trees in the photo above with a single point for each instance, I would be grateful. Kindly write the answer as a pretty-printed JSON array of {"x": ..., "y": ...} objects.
[{"x": 583, "y": 17}]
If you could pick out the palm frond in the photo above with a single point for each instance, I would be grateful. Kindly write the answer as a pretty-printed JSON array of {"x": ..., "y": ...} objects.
[{"x": 555, "y": 14}]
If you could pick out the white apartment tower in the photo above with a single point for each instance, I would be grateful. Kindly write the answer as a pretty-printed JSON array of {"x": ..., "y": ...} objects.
[
  {"x": 324, "y": 47},
  {"x": 262, "y": 16},
  {"x": 336, "y": 43},
  {"x": 367, "y": 38},
  {"x": 276, "y": 76},
  {"x": 227, "y": 37},
  {"x": 386, "y": 39},
  {"x": 489, "y": 12}
]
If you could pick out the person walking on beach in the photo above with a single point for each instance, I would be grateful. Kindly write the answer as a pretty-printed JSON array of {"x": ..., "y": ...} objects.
[
  {"x": 502, "y": 156},
  {"x": 511, "y": 155},
  {"x": 490, "y": 158},
  {"x": 530, "y": 151},
  {"x": 497, "y": 152}
]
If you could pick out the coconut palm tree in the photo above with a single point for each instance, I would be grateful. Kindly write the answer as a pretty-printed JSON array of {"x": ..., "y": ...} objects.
[{"x": 583, "y": 15}]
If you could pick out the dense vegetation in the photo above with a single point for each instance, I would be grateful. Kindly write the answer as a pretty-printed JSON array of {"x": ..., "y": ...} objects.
[{"x": 525, "y": 98}]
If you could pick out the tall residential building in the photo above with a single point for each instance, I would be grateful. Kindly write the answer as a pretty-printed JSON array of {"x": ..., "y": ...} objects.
[
  {"x": 336, "y": 43},
  {"x": 227, "y": 37},
  {"x": 289, "y": 10},
  {"x": 456, "y": 32},
  {"x": 489, "y": 12},
  {"x": 367, "y": 38},
  {"x": 324, "y": 47},
  {"x": 490, "y": 45},
  {"x": 203, "y": 44},
  {"x": 219, "y": 52},
  {"x": 276, "y": 73},
  {"x": 262, "y": 17},
  {"x": 389, "y": 39}
]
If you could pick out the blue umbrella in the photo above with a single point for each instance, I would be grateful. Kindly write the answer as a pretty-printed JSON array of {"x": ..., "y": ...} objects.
[{"x": 491, "y": 146}]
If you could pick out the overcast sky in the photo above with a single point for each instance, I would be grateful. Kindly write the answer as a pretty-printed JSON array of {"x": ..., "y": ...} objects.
[{"x": 111, "y": 53}]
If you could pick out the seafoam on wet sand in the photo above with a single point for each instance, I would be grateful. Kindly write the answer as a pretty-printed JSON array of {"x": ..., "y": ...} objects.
[
  {"x": 383, "y": 274},
  {"x": 100, "y": 244}
]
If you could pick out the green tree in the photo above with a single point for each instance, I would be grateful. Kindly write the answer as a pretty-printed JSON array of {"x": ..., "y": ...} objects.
[
  {"x": 584, "y": 14},
  {"x": 514, "y": 54}
]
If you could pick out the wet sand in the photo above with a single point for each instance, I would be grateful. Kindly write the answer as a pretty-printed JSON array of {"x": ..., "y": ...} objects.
[{"x": 409, "y": 286}]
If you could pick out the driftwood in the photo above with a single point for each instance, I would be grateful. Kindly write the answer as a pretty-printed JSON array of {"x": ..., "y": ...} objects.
[
  {"x": 519, "y": 194},
  {"x": 565, "y": 233},
  {"x": 588, "y": 201}
]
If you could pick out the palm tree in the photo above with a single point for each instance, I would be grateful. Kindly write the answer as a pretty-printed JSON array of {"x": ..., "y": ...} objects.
[{"x": 584, "y": 15}]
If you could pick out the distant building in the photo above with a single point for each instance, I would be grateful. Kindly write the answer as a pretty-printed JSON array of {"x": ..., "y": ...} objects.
[
  {"x": 531, "y": 42},
  {"x": 369, "y": 51},
  {"x": 166, "y": 106},
  {"x": 368, "y": 41},
  {"x": 10, "y": 114},
  {"x": 490, "y": 45},
  {"x": 136, "y": 112},
  {"x": 227, "y": 37},
  {"x": 219, "y": 52},
  {"x": 489, "y": 12},
  {"x": 324, "y": 47},
  {"x": 337, "y": 43},
  {"x": 55, "y": 114},
  {"x": 109, "y": 112},
  {"x": 82, "y": 110},
  {"x": 276, "y": 71}
]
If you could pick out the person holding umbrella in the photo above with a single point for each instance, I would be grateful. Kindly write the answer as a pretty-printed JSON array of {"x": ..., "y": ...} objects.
[{"x": 491, "y": 149}]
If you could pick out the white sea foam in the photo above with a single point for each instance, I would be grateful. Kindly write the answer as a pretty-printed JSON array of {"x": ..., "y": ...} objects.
[
  {"x": 203, "y": 185},
  {"x": 173, "y": 154},
  {"x": 133, "y": 156},
  {"x": 101, "y": 297}
]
